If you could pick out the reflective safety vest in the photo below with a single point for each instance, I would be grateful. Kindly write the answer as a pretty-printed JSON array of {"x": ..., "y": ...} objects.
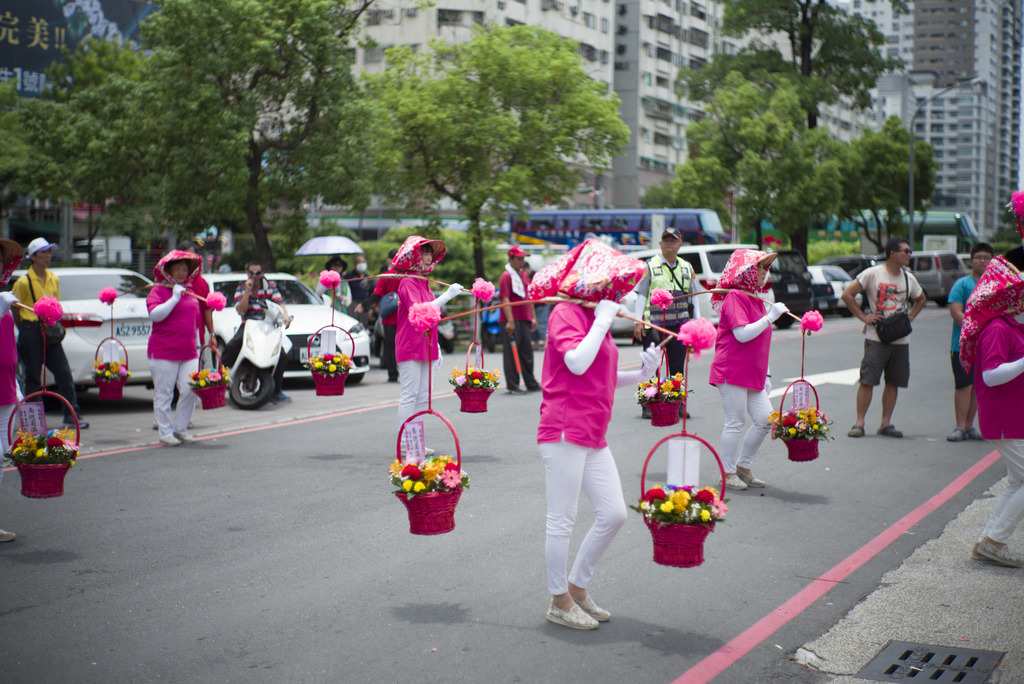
[{"x": 676, "y": 280}]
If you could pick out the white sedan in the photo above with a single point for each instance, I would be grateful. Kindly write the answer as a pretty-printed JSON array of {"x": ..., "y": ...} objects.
[
  {"x": 309, "y": 314},
  {"x": 87, "y": 319}
]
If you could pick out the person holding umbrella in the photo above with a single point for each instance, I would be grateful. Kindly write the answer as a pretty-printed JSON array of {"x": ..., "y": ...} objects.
[{"x": 342, "y": 292}]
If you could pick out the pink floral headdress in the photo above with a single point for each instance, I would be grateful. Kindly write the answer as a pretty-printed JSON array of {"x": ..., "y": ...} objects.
[
  {"x": 408, "y": 256},
  {"x": 592, "y": 271},
  {"x": 161, "y": 276},
  {"x": 741, "y": 274},
  {"x": 1000, "y": 291},
  {"x": 12, "y": 254}
]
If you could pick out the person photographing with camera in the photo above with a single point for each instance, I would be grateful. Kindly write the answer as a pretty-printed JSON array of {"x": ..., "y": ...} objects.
[
  {"x": 888, "y": 288},
  {"x": 251, "y": 299}
]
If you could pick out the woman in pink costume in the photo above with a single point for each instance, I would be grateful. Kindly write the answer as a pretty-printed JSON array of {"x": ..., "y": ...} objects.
[
  {"x": 414, "y": 351},
  {"x": 992, "y": 345},
  {"x": 578, "y": 380},
  {"x": 10, "y": 394},
  {"x": 172, "y": 343},
  {"x": 740, "y": 366}
]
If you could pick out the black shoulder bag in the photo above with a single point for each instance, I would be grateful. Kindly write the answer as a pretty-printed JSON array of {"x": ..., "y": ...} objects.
[
  {"x": 896, "y": 326},
  {"x": 53, "y": 334}
]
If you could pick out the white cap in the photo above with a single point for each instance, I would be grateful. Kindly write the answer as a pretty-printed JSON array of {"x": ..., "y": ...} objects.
[{"x": 38, "y": 245}]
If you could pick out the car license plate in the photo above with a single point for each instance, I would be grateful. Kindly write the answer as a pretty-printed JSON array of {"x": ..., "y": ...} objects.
[
  {"x": 792, "y": 288},
  {"x": 132, "y": 330}
]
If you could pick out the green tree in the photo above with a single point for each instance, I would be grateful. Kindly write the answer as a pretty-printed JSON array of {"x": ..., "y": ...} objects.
[
  {"x": 494, "y": 123},
  {"x": 17, "y": 149},
  {"x": 250, "y": 106},
  {"x": 875, "y": 179},
  {"x": 658, "y": 196}
]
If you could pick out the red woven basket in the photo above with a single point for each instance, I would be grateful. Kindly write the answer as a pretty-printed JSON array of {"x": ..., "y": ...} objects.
[
  {"x": 664, "y": 413},
  {"x": 43, "y": 481},
  {"x": 432, "y": 512},
  {"x": 800, "y": 450},
  {"x": 212, "y": 397},
  {"x": 111, "y": 390},
  {"x": 473, "y": 400},
  {"x": 675, "y": 545},
  {"x": 329, "y": 385}
]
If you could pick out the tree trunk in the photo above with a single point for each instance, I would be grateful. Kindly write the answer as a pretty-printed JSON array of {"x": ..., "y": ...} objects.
[
  {"x": 89, "y": 233},
  {"x": 252, "y": 209},
  {"x": 798, "y": 241},
  {"x": 758, "y": 236}
]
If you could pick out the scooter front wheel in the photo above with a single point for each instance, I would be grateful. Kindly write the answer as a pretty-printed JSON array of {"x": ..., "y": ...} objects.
[{"x": 251, "y": 387}]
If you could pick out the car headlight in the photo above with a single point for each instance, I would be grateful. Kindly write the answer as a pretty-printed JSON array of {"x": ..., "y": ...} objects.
[{"x": 356, "y": 329}]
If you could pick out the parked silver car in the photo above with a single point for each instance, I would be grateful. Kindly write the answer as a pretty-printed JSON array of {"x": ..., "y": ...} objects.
[{"x": 936, "y": 272}]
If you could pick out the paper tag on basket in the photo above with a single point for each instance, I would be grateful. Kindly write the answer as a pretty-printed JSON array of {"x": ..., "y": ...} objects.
[
  {"x": 479, "y": 356},
  {"x": 801, "y": 396},
  {"x": 414, "y": 441},
  {"x": 111, "y": 351},
  {"x": 328, "y": 341},
  {"x": 32, "y": 418},
  {"x": 683, "y": 462}
]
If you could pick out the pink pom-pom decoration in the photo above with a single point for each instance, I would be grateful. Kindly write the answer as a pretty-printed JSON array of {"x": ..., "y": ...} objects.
[
  {"x": 661, "y": 297},
  {"x": 108, "y": 295},
  {"x": 330, "y": 279},
  {"x": 483, "y": 290},
  {"x": 48, "y": 309},
  {"x": 698, "y": 334},
  {"x": 216, "y": 301},
  {"x": 424, "y": 316},
  {"x": 1017, "y": 202},
  {"x": 812, "y": 321}
]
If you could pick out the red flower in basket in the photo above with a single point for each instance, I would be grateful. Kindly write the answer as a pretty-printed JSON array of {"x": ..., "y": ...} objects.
[
  {"x": 452, "y": 466},
  {"x": 477, "y": 375},
  {"x": 54, "y": 441},
  {"x": 412, "y": 472},
  {"x": 655, "y": 494},
  {"x": 704, "y": 497}
]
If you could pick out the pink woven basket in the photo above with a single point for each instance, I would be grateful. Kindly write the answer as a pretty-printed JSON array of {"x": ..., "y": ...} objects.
[
  {"x": 329, "y": 385},
  {"x": 212, "y": 397},
  {"x": 664, "y": 413},
  {"x": 802, "y": 449},
  {"x": 432, "y": 512},
  {"x": 42, "y": 481},
  {"x": 473, "y": 400},
  {"x": 111, "y": 390}
]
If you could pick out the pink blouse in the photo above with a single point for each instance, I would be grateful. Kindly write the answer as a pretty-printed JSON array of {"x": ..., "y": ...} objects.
[
  {"x": 743, "y": 364},
  {"x": 174, "y": 338},
  {"x": 411, "y": 345}
]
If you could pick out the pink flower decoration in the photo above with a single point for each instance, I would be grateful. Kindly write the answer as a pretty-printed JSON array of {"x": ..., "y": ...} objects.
[
  {"x": 330, "y": 279},
  {"x": 698, "y": 334},
  {"x": 461, "y": 380},
  {"x": 483, "y": 290},
  {"x": 216, "y": 301},
  {"x": 661, "y": 297},
  {"x": 720, "y": 508},
  {"x": 451, "y": 478},
  {"x": 651, "y": 392},
  {"x": 215, "y": 376},
  {"x": 812, "y": 321},
  {"x": 108, "y": 295},
  {"x": 122, "y": 371},
  {"x": 48, "y": 309},
  {"x": 424, "y": 316}
]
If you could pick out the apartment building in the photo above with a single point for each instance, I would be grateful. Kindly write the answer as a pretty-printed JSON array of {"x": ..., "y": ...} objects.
[{"x": 975, "y": 128}]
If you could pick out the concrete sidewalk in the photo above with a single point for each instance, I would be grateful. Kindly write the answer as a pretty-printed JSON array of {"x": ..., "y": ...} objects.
[{"x": 939, "y": 596}]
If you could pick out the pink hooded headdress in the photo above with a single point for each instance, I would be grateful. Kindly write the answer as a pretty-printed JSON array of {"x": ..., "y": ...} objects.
[
  {"x": 741, "y": 274},
  {"x": 11, "y": 254},
  {"x": 1000, "y": 291},
  {"x": 160, "y": 270},
  {"x": 408, "y": 257},
  {"x": 592, "y": 271}
]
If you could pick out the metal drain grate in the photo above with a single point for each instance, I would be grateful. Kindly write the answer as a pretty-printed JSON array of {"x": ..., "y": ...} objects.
[{"x": 902, "y": 660}]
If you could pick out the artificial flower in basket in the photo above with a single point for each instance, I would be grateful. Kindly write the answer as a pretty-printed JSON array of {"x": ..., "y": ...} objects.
[
  {"x": 430, "y": 491},
  {"x": 680, "y": 519},
  {"x": 210, "y": 386},
  {"x": 329, "y": 373},
  {"x": 43, "y": 461},
  {"x": 474, "y": 388},
  {"x": 110, "y": 378},
  {"x": 801, "y": 431},
  {"x": 662, "y": 396}
]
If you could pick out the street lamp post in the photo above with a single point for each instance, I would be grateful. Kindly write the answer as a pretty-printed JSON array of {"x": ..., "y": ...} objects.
[{"x": 910, "y": 184}]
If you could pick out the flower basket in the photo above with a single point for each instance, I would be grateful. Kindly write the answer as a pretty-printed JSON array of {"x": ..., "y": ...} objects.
[
  {"x": 430, "y": 512},
  {"x": 110, "y": 377},
  {"x": 680, "y": 545},
  {"x": 800, "y": 429},
  {"x": 44, "y": 480},
  {"x": 664, "y": 413},
  {"x": 214, "y": 393},
  {"x": 329, "y": 383},
  {"x": 474, "y": 385}
]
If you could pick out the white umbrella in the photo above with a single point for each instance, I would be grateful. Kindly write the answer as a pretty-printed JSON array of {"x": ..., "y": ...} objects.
[{"x": 329, "y": 244}]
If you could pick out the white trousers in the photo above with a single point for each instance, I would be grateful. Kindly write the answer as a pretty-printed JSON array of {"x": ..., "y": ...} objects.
[
  {"x": 569, "y": 469},
  {"x": 165, "y": 375},
  {"x": 736, "y": 403},
  {"x": 415, "y": 379},
  {"x": 1009, "y": 508}
]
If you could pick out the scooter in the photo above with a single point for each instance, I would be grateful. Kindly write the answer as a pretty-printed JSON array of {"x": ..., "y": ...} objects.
[{"x": 252, "y": 376}]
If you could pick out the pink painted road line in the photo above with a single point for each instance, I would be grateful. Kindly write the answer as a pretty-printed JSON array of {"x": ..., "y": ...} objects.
[{"x": 727, "y": 655}]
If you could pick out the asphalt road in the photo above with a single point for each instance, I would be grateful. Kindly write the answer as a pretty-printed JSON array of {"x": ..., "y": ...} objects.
[{"x": 278, "y": 554}]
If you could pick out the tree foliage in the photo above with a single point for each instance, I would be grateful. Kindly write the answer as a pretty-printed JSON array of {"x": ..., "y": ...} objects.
[
  {"x": 17, "y": 150},
  {"x": 493, "y": 123}
]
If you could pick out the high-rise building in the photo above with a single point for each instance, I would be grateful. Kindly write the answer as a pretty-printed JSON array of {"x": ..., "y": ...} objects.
[{"x": 974, "y": 128}]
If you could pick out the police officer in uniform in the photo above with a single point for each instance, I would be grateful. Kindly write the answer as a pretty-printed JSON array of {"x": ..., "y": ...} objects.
[{"x": 668, "y": 272}]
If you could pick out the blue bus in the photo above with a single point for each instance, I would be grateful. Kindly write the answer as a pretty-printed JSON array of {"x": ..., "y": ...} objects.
[{"x": 618, "y": 227}]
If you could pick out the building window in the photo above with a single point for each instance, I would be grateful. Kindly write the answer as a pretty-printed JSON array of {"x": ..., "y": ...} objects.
[
  {"x": 373, "y": 55},
  {"x": 698, "y": 38},
  {"x": 662, "y": 81},
  {"x": 728, "y": 48},
  {"x": 589, "y": 20},
  {"x": 666, "y": 55},
  {"x": 605, "y": 27},
  {"x": 697, "y": 11},
  {"x": 448, "y": 17},
  {"x": 696, "y": 63}
]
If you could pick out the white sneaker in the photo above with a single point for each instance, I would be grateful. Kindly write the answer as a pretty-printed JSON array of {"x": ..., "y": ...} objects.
[
  {"x": 574, "y": 618},
  {"x": 6, "y": 536},
  {"x": 751, "y": 480},
  {"x": 1001, "y": 556},
  {"x": 428, "y": 451},
  {"x": 184, "y": 438},
  {"x": 170, "y": 441},
  {"x": 592, "y": 609},
  {"x": 732, "y": 481}
]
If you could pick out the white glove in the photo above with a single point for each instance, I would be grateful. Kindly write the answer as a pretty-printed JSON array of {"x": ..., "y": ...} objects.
[
  {"x": 605, "y": 312},
  {"x": 453, "y": 290},
  {"x": 440, "y": 360},
  {"x": 649, "y": 360},
  {"x": 162, "y": 311},
  {"x": 777, "y": 310},
  {"x": 7, "y": 300},
  {"x": 178, "y": 289}
]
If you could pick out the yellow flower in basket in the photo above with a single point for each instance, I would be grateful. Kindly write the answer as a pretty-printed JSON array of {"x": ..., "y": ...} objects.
[
  {"x": 332, "y": 368},
  {"x": 202, "y": 383},
  {"x": 396, "y": 467}
]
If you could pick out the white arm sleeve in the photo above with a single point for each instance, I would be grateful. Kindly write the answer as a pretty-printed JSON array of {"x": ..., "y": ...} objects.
[
  {"x": 694, "y": 288},
  {"x": 162, "y": 311},
  {"x": 642, "y": 289},
  {"x": 578, "y": 360},
  {"x": 749, "y": 331},
  {"x": 320, "y": 289},
  {"x": 1003, "y": 373},
  {"x": 448, "y": 294}
]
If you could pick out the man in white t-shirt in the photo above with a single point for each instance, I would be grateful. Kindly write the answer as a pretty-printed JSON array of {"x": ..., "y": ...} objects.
[{"x": 888, "y": 289}]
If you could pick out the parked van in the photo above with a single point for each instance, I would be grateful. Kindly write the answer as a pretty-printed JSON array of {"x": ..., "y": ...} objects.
[
  {"x": 107, "y": 251},
  {"x": 936, "y": 272}
]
